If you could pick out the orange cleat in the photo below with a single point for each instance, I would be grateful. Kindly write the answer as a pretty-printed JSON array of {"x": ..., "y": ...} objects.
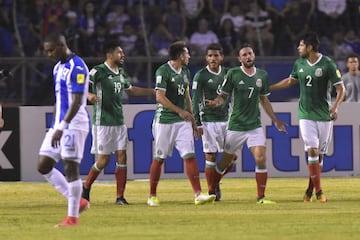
[
  {"x": 84, "y": 204},
  {"x": 69, "y": 222}
]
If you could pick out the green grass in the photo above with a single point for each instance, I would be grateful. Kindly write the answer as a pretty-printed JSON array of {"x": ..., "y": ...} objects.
[{"x": 30, "y": 211}]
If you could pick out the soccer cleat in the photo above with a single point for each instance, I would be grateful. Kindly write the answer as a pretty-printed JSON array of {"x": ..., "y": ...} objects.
[
  {"x": 265, "y": 201},
  {"x": 153, "y": 201},
  {"x": 86, "y": 193},
  {"x": 308, "y": 197},
  {"x": 320, "y": 197},
  {"x": 121, "y": 201},
  {"x": 69, "y": 222},
  {"x": 217, "y": 193},
  {"x": 203, "y": 198},
  {"x": 84, "y": 204}
]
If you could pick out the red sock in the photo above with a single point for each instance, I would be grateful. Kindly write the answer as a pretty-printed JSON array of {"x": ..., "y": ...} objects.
[
  {"x": 310, "y": 188},
  {"x": 120, "y": 176},
  {"x": 155, "y": 172},
  {"x": 215, "y": 181},
  {"x": 192, "y": 171},
  {"x": 314, "y": 170},
  {"x": 261, "y": 179},
  {"x": 91, "y": 177},
  {"x": 209, "y": 173},
  {"x": 228, "y": 169}
]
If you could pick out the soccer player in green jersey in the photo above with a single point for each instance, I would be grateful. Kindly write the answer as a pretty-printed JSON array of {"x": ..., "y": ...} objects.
[
  {"x": 211, "y": 122},
  {"x": 109, "y": 81},
  {"x": 316, "y": 74},
  {"x": 247, "y": 85},
  {"x": 174, "y": 123}
]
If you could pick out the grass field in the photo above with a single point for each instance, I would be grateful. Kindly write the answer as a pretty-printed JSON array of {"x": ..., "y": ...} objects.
[{"x": 30, "y": 211}]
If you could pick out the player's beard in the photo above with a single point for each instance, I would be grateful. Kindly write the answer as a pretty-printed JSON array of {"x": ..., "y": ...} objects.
[{"x": 248, "y": 64}]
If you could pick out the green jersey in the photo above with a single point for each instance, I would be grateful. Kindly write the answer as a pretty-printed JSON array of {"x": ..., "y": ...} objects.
[
  {"x": 207, "y": 85},
  {"x": 245, "y": 91},
  {"x": 175, "y": 84},
  {"x": 109, "y": 87},
  {"x": 315, "y": 82}
]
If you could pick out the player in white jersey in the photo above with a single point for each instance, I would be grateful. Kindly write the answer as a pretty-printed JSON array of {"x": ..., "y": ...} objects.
[{"x": 66, "y": 138}]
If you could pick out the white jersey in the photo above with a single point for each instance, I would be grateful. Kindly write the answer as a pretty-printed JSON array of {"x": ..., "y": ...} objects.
[{"x": 71, "y": 77}]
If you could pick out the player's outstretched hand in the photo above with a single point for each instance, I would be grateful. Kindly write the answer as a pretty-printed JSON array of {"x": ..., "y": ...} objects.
[{"x": 281, "y": 126}]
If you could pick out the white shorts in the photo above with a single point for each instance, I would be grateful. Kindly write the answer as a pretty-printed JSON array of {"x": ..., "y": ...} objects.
[
  {"x": 214, "y": 136},
  {"x": 234, "y": 140},
  {"x": 108, "y": 139},
  {"x": 72, "y": 145},
  {"x": 168, "y": 136},
  {"x": 316, "y": 134}
]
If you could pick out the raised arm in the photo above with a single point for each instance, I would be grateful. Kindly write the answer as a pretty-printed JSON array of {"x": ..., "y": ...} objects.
[{"x": 285, "y": 83}]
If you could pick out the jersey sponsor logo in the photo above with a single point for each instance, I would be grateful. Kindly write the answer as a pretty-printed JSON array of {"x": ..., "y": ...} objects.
[
  {"x": 259, "y": 83},
  {"x": 210, "y": 81},
  {"x": 172, "y": 80},
  {"x": 301, "y": 70},
  {"x": 80, "y": 68},
  {"x": 158, "y": 79},
  {"x": 318, "y": 72},
  {"x": 241, "y": 82},
  {"x": 80, "y": 78}
]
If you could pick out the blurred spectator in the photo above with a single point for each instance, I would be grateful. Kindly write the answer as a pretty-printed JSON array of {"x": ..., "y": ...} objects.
[
  {"x": 192, "y": 10},
  {"x": 214, "y": 9},
  {"x": 97, "y": 41},
  {"x": 228, "y": 37},
  {"x": 175, "y": 21},
  {"x": 352, "y": 79},
  {"x": 160, "y": 40},
  {"x": 276, "y": 10},
  {"x": 200, "y": 39},
  {"x": 115, "y": 19},
  {"x": 237, "y": 17},
  {"x": 258, "y": 29},
  {"x": 328, "y": 19},
  {"x": 87, "y": 22},
  {"x": 7, "y": 45},
  {"x": 52, "y": 18},
  {"x": 352, "y": 15},
  {"x": 71, "y": 30},
  {"x": 340, "y": 50},
  {"x": 352, "y": 40},
  {"x": 296, "y": 24},
  {"x": 128, "y": 39}
]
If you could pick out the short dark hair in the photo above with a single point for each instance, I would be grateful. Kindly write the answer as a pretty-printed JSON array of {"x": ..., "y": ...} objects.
[
  {"x": 215, "y": 46},
  {"x": 352, "y": 55},
  {"x": 312, "y": 39},
  {"x": 54, "y": 37},
  {"x": 176, "y": 49},
  {"x": 110, "y": 46},
  {"x": 244, "y": 45}
]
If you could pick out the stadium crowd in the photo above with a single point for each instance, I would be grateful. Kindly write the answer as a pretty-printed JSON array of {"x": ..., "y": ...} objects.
[
  {"x": 148, "y": 27},
  {"x": 87, "y": 24}
]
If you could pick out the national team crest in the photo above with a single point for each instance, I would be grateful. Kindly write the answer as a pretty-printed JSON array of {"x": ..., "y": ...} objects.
[
  {"x": 122, "y": 80},
  {"x": 186, "y": 80},
  {"x": 259, "y": 83},
  {"x": 318, "y": 72}
]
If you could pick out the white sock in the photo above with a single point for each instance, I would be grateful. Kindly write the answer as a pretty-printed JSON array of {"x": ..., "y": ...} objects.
[
  {"x": 75, "y": 190},
  {"x": 58, "y": 180}
]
